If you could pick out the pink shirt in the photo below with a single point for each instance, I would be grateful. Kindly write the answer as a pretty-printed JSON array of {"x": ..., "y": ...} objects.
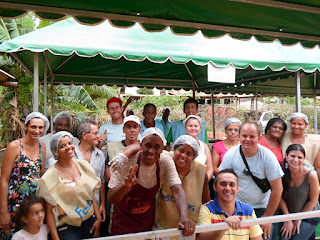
[
  {"x": 220, "y": 149},
  {"x": 276, "y": 151}
]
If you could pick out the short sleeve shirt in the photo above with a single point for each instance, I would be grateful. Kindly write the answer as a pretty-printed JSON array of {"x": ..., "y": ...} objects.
[
  {"x": 147, "y": 174},
  {"x": 211, "y": 212},
  {"x": 262, "y": 165}
]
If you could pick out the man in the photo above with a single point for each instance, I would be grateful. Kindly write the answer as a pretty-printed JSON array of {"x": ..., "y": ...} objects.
[
  {"x": 190, "y": 107},
  {"x": 165, "y": 121},
  {"x": 89, "y": 138},
  {"x": 131, "y": 129},
  {"x": 61, "y": 122},
  {"x": 263, "y": 164},
  {"x": 149, "y": 113},
  {"x": 225, "y": 208},
  {"x": 136, "y": 176}
]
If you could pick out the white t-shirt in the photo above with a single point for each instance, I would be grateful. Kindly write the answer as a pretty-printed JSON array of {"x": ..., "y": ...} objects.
[
  {"x": 24, "y": 235},
  {"x": 147, "y": 174},
  {"x": 262, "y": 165},
  {"x": 114, "y": 132}
]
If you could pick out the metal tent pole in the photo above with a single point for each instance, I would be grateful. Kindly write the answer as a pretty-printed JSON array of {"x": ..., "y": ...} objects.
[
  {"x": 45, "y": 89},
  {"x": 213, "y": 120},
  {"x": 315, "y": 103},
  {"x": 298, "y": 91},
  {"x": 36, "y": 83}
]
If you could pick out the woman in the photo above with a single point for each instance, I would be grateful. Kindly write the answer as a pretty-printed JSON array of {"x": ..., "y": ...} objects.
[
  {"x": 22, "y": 166},
  {"x": 192, "y": 125},
  {"x": 194, "y": 182},
  {"x": 231, "y": 126},
  {"x": 274, "y": 131},
  {"x": 68, "y": 188},
  {"x": 300, "y": 194},
  {"x": 298, "y": 124}
]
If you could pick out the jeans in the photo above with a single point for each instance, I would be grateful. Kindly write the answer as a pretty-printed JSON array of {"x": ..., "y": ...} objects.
[
  {"x": 306, "y": 230},
  {"x": 68, "y": 232}
]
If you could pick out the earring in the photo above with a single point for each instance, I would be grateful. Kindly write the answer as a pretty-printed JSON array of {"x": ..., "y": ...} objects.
[{"x": 286, "y": 165}]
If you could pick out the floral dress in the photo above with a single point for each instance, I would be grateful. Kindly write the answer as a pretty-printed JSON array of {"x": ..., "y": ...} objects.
[{"x": 23, "y": 182}]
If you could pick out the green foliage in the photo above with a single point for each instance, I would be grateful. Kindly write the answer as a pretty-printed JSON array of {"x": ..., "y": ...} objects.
[
  {"x": 103, "y": 91},
  {"x": 145, "y": 91}
]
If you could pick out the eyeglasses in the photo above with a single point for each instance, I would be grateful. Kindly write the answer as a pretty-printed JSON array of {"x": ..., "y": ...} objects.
[
  {"x": 94, "y": 133},
  {"x": 233, "y": 130}
]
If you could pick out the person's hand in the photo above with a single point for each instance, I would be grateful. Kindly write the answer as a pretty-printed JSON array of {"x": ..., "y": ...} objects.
[
  {"x": 5, "y": 220},
  {"x": 131, "y": 178},
  {"x": 286, "y": 230},
  {"x": 129, "y": 100},
  {"x": 188, "y": 227},
  {"x": 131, "y": 149},
  {"x": 296, "y": 227},
  {"x": 103, "y": 137},
  {"x": 234, "y": 222},
  {"x": 96, "y": 227},
  {"x": 103, "y": 212},
  {"x": 266, "y": 228}
]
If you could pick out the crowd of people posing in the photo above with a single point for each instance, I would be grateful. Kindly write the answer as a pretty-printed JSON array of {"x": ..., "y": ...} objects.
[{"x": 133, "y": 175}]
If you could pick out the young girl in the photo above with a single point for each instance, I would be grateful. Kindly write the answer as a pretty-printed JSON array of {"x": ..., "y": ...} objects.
[{"x": 30, "y": 218}]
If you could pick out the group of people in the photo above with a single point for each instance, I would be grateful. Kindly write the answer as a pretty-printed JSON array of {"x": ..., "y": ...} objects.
[{"x": 140, "y": 175}]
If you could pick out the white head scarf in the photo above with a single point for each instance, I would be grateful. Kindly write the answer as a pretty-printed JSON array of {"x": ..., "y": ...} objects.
[
  {"x": 38, "y": 115},
  {"x": 154, "y": 131},
  {"x": 54, "y": 142},
  {"x": 187, "y": 140}
]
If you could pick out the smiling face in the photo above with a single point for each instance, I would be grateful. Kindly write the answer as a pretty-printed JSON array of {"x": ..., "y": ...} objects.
[
  {"x": 115, "y": 110},
  {"x": 35, "y": 128},
  {"x": 193, "y": 127},
  {"x": 232, "y": 131},
  {"x": 35, "y": 216},
  {"x": 149, "y": 114},
  {"x": 226, "y": 187},
  {"x": 92, "y": 137},
  {"x": 152, "y": 147},
  {"x": 183, "y": 156},
  {"x": 62, "y": 124},
  {"x": 65, "y": 148},
  {"x": 249, "y": 137},
  {"x": 191, "y": 109},
  {"x": 298, "y": 126},
  {"x": 295, "y": 159},
  {"x": 276, "y": 130}
]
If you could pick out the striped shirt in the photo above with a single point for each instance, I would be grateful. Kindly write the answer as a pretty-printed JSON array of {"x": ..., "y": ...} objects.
[{"x": 211, "y": 212}]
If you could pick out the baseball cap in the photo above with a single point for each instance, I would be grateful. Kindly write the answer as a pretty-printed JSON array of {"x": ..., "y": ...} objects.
[
  {"x": 131, "y": 118},
  {"x": 114, "y": 99}
]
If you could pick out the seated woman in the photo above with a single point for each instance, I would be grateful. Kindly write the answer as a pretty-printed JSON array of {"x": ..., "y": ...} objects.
[
  {"x": 194, "y": 183},
  {"x": 232, "y": 127},
  {"x": 192, "y": 125},
  {"x": 274, "y": 131},
  {"x": 300, "y": 194},
  {"x": 22, "y": 167},
  {"x": 68, "y": 188}
]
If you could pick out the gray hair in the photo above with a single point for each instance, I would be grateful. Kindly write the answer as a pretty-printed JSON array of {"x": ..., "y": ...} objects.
[
  {"x": 54, "y": 142},
  {"x": 41, "y": 116},
  {"x": 187, "y": 140},
  {"x": 84, "y": 127},
  {"x": 62, "y": 114}
]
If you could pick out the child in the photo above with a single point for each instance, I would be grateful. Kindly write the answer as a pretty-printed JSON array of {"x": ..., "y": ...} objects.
[{"x": 30, "y": 218}]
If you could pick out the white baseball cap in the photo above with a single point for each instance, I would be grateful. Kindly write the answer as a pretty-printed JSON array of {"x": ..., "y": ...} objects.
[{"x": 131, "y": 118}]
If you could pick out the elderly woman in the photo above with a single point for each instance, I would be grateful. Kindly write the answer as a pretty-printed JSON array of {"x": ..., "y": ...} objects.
[
  {"x": 192, "y": 125},
  {"x": 136, "y": 177},
  {"x": 231, "y": 126},
  {"x": 274, "y": 131},
  {"x": 300, "y": 194},
  {"x": 194, "y": 183},
  {"x": 68, "y": 188},
  {"x": 22, "y": 166},
  {"x": 298, "y": 124}
]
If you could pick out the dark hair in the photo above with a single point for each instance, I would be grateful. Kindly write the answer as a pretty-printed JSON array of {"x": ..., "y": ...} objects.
[
  {"x": 190, "y": 100},
  {"x": 84, "y": 127},
  {"x": 287, "y": 175},
  {"x": 273, "y": 121},
  {"x": 227, "y": 170},
  {"x": 149, "y": 105},
  {"x": 23, "y": 210},
  {"x": 251, "y": 123}
]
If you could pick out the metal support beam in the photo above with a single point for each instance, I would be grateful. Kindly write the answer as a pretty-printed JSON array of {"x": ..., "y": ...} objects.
[
  {"x": 36, "y": 83},
  {"x": 45, "y": 88},
  {"x": 315, "y": 103},
  {"x": 51, "y": 103},
  {"x": 213, "y": 119},
  {"x": 298, "y": 91},
  {"x": 256, "y": 102}
]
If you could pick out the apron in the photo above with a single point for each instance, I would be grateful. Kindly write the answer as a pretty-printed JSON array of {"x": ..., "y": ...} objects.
[{"x": 136, "y": 211}]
